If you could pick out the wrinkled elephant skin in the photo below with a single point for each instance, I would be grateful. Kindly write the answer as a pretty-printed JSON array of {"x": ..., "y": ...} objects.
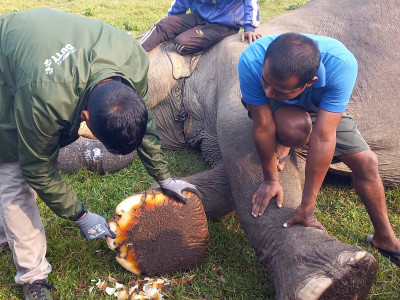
[
  {"x": 92, "y": 155},
  {"x": 305, "y": 263}
]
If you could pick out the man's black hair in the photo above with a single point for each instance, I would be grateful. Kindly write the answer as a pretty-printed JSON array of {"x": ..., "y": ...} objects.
[
  {"x": 117, "y": 116},
  {"x": 293, "y": 55}
]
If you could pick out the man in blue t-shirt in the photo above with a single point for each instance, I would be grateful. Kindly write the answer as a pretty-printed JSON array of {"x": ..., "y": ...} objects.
[{"x": 288, "y": 81}]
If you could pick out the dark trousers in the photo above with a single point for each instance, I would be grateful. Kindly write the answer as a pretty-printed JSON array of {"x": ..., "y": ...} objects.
[{"x": 190, "y": 32}]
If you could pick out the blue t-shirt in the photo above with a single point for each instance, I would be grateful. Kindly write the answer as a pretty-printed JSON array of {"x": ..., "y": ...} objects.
[{"x": 336, "y": 76}]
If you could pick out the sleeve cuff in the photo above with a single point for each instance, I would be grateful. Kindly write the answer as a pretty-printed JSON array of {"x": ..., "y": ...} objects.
[
  {"x": 78, "y": 216},
  {"x": 333, "y": 108},
  {"x": 163, "y": 177},
  {"x": 249, "y": 28},
  {"x": 256, "y": 102}
]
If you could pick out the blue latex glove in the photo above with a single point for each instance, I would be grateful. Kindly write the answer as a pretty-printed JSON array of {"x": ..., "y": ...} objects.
[
  {"x": 94, "y": 226},
  {"x": 174, "y": 187}
]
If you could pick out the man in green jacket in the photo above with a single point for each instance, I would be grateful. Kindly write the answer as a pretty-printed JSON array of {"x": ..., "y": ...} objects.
[{"x": 56, "y": 70}]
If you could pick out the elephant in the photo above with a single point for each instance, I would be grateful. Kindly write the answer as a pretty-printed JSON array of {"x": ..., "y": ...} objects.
[
  {"x": 87, "y": 151},
  {"x": 92, "y": 155},
  {"x": 195, "y": 102}
]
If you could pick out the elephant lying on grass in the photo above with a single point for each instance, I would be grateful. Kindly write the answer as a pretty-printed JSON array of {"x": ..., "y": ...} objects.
[
  {"x": 196, "y": 103},
  {"x": 88, "y": 152}
]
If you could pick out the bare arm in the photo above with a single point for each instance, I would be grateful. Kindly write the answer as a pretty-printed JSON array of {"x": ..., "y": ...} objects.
[
  {"x": 264, "y": 135},
  {"x": 320, "y": 152}
]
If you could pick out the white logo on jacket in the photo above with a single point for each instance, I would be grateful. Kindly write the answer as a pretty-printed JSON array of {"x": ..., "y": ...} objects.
[
  {"x": 48, "y": 69},
  {"x": 58, "y": 58}
]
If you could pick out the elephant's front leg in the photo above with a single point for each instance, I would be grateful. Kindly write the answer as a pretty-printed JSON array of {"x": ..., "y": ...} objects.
[
  {"x": 216, "y": 193},
  {"x": 215, "y": 189}
]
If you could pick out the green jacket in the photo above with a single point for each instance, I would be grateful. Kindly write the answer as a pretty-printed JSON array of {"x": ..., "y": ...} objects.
[{"x": 49, "y": 62}]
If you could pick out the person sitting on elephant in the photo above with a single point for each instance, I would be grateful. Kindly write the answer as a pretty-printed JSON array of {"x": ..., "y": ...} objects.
[
  {"x": 317, "y": 74},
  {"x": 52, "y": 78},
  {"x": 209, "y": 22}
]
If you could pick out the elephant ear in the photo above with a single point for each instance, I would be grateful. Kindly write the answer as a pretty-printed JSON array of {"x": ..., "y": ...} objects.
[
  {"x": 155, "y": 234},
  {"x": 182, "y": 65}
]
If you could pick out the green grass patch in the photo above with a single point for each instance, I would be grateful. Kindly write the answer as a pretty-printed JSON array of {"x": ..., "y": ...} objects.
[{"x": 230, "y": 269}]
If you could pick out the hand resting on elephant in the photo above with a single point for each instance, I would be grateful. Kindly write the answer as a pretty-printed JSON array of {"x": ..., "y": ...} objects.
[{"x": 316, "y": 74}]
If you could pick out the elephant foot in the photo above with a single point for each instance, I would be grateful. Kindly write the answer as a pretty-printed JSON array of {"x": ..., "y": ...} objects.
[
  {"x": 305, "y": 262},
  {"x": 92, "y": 155},
  {"x": 155, "y": 234},
  {"x": 354, "y": 272}
]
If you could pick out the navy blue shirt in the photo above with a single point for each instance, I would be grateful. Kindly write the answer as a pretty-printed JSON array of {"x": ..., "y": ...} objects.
[{"x": 336, "y": 76}]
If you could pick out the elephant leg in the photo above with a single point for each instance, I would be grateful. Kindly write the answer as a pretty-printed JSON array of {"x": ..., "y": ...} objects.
[
  {"x": 215, "y": 190},
  {"x": 214, "y": 187}
]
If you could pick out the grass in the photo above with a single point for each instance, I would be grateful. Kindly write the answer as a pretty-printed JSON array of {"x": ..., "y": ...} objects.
[
  {"x": 135, "y": 16},
  {"x": 239, "y": 276},
  {"x": 344, "y": 216}
]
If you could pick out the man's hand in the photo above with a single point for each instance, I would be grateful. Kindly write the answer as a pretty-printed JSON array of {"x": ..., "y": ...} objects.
[
  {"x": 251, "y": 36},
  {"x": 265, "y": 192},
  {"x": 174, "y": 187},
  {"x": 94, "y": 226},
  {"x": 304, "y": 217}
]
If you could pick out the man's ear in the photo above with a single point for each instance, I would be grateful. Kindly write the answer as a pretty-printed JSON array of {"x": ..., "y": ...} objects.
[
  {"x": 312, "y": 81},
  {"x": 85, "y": 116}
]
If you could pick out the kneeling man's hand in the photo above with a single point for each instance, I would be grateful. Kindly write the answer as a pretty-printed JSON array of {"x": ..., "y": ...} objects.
[
  {"x": 303, "y": 217},
  {"x": 265, "y": 192}
]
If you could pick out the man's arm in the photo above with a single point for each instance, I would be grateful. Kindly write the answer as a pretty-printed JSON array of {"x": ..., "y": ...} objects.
[
  {"x": 264, "y": 134},
  {"x": 251, "y": 21},
  {"x": 320, "y": 152},
  {"x": 179, "y": 7},
  {"x": 150, "y": 152},
  {"x": 38, "y": 146},
  {"x": 154, "y": 161}
]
